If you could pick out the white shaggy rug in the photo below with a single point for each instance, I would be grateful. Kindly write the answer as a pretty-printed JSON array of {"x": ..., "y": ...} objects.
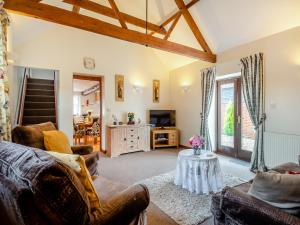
[{"x": 183, "y": 207}]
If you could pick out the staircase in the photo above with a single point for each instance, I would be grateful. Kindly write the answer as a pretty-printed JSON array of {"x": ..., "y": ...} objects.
[{"x": 39, "y": 103}]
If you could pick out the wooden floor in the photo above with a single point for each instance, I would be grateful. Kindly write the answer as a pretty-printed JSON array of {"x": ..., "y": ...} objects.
[{"x": 90, "y": 141}]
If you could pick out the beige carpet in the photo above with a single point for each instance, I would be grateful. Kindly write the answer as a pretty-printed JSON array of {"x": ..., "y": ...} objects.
[
  {"x": 131, "y": 168},
  {"x": 184, "y": 207}
]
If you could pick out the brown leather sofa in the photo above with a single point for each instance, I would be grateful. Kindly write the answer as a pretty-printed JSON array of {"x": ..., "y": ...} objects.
[
  {"x": 233, "y": 206},
  {"x": 35, "y": 188},
  {"x": 32, "y": 136}
]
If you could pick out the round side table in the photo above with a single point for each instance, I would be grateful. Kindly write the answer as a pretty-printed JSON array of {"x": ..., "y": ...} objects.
[{"x": 200, "y": 174}]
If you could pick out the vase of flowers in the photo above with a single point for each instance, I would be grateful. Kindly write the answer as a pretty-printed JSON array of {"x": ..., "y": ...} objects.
[
  {"x": 130, "y": 118},
  {"x": 197, "y": 142}
]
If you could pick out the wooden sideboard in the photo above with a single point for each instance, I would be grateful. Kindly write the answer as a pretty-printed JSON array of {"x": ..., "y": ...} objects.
[
  {"x": 164, "y": 137},
  {"x": 122, "y": 139}
]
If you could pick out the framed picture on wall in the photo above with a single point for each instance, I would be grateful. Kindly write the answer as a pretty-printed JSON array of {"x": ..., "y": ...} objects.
[
  {"x": 119, "y": 88},
  {"x": 156, "y": 91}
]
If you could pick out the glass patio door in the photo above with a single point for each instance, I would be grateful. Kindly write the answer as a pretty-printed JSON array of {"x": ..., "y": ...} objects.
[{"x": 235, "y": 130}]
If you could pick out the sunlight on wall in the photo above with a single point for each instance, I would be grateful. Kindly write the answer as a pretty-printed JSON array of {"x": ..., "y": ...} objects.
[
  {"x": 185, "y": 80},
  {"x": 137, "y": 80}
]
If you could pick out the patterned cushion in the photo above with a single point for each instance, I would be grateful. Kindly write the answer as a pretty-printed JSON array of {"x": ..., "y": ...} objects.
[{"x": 57, "y": 192}]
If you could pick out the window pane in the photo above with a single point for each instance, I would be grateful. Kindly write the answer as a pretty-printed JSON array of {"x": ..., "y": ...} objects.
[{"x": 227, "y": 114}]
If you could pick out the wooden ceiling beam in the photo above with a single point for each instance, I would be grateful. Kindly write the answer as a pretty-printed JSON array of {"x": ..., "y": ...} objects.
[
  {"x": 193, "y": 26},
  {"x": 171, "y": 18},
  {"x": 172, "y": 27},
  {"x": 65, "y": 17},
  {"x": 106, "y": 11},
  {"x": 76, "y": 9},
  {"x": 117, "y": 12}
]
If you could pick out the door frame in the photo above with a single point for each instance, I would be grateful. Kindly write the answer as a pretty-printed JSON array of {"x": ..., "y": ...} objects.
[
  {"x": 236, "y": 151},
  {"x": 100, "y": 79}
]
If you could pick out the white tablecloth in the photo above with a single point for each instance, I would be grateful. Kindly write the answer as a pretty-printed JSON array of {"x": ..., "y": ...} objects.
[{"x": 198, "y": 173}]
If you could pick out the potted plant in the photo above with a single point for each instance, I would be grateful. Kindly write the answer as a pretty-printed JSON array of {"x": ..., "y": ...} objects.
[
  {"x": 130, "y": 118},
  {"x": 197, "y": 142}
]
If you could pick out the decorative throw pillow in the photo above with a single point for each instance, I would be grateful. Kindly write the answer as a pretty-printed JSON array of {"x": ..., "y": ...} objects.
[
  {"x": 279, "y": 190},
  {"x": 57, "y": 141},
  {"x": 77, "y": 163},
  {"x": 70, "y": 160},
  {"x": 86, "y": 180}
]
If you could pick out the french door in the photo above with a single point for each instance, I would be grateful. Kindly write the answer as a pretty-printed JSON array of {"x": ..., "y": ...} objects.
[{"x": 236, "y": 134}]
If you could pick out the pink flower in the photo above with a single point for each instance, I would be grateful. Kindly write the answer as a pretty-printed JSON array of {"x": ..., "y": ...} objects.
[{"x": 196, "y": 141}]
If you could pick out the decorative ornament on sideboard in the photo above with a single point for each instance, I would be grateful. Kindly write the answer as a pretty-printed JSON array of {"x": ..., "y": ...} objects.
[{"x": 130, "y": 118}]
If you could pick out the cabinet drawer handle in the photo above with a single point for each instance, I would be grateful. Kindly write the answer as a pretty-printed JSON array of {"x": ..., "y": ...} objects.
[
  {"x": 131, "y": 130},
  {"x": 131, "y": 141},
  {"x": 125, "y": 139},
  {"x": 131, "y": 135}
]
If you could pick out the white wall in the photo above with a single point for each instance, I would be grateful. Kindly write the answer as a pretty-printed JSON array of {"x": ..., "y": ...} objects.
[
  {"x": 63, "y": 49},
  {"x": 282, "y": 77},
  {"x": 187, "y": 105},
  {"x": 282, "y": 82},
  {"x": 42, "y": 74},
  {"x": 94, "y": 105}
]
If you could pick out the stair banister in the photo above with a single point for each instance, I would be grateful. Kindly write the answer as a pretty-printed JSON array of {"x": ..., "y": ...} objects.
[
  {"x": 22, "y": 98},
  {"x": 56, "y": 97}
]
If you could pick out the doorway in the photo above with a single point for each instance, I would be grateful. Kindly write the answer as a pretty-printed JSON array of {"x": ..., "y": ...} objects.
[
  {"x": 87, "y": 110},
  {"x": 236, "y": 134}
]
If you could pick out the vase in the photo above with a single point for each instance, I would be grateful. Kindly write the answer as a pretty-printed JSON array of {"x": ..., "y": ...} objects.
[
  {"x": 131, "y": 121},
  {"x": 197, "y": 151}
]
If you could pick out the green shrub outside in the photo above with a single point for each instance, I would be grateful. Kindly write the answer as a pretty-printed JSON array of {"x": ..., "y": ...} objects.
[{"x": 229, "y": 120}]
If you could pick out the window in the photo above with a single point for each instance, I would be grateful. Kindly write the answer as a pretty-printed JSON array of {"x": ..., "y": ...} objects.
[{"x": 76, "y": 105}]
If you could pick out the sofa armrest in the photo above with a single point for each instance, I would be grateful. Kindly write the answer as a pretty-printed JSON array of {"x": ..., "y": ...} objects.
[
  {"x": 125, "y": 206},
  {"x": 247, "y": 210},
  {"x": 82, "y": 149}
]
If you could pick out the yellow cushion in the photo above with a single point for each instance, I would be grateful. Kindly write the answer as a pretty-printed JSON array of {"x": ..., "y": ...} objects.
[
  {"x": 86, "y": 180},
  {"x": 57, "y": 141}
]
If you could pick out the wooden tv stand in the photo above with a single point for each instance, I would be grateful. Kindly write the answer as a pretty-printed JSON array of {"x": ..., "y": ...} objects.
[{"x": 164, "y": 137}]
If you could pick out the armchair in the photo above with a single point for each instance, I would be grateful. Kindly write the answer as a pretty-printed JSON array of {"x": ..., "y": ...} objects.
[
  {"x": 32, "y": 136},
  {"x": 234, "y": 206}
]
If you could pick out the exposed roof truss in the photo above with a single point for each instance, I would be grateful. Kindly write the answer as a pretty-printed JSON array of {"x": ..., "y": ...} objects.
[{"x": 73, "y": 18}]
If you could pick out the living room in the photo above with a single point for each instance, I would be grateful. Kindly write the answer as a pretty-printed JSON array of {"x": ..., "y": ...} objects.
[{"x": 177, "y": 76}]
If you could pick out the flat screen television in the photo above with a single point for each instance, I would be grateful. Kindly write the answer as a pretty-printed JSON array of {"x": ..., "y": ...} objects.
[{"x": 163, "y": 118}]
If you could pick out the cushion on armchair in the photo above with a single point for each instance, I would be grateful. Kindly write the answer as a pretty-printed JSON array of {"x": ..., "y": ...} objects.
[
  {"x": 32, "y": 135},
  {"x": 279, "y": 190},
  {"x": 57, "y": 141},
  {"x": 56, "y": 191}
]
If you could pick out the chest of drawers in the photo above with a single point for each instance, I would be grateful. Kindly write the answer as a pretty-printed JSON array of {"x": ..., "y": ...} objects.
[{"x": 126, "y": 139}]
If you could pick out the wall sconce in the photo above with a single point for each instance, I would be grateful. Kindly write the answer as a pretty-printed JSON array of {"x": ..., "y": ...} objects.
[
  {"x": 186, "y": 88},
  {"x": 137, "y": 88}
]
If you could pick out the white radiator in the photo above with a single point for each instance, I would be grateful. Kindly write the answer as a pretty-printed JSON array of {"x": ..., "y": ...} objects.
[{"x": 281, "y": 148}]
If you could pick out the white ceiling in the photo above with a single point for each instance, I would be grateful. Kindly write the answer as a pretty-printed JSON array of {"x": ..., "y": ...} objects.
[
  {"x": 224, "y": 23},
  {"x": 82, "y": 85}
]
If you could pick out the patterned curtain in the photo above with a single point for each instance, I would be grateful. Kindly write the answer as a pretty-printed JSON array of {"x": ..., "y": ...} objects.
[
  {"x": 208, "y": 83},
  {"x": 253, "y": 91},
  {"x": 5, "y": 123}
]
